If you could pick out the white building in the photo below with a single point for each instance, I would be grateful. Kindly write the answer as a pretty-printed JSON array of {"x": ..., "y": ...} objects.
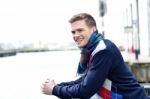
[
  {"x": 137, "y": 14},
  {"x": 144, "y": 26}
]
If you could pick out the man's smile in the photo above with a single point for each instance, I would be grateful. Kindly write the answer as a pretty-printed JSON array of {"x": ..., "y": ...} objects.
[{"x": 79, "y": 39}]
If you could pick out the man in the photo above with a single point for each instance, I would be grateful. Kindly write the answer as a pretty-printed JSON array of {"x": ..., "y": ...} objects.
[{"x": 100, "y": 62}]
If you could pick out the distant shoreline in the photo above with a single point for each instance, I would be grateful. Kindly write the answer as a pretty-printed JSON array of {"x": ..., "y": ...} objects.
[{"x": 6, "y": 53}]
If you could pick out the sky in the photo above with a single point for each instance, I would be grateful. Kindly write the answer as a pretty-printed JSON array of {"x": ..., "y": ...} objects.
[{"x": 45, "y": 20}]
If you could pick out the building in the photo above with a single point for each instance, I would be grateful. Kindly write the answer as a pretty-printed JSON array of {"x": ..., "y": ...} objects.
[{"x": 138, "y": 13}]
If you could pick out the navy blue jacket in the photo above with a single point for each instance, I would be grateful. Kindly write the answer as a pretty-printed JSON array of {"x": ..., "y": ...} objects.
[{"x": 106, "y": 63}]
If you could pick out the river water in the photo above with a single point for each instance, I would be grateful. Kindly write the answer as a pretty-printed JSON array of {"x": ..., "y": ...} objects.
[{"x": 22, "y": 75}]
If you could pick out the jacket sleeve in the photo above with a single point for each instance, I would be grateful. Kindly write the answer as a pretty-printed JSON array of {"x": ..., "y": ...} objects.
[
  {"x": 71, "y": 82},
  {"x": 96, "y": 75}
]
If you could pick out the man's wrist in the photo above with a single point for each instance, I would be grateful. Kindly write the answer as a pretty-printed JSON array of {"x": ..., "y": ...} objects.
[{"x": 56, "y": 90}]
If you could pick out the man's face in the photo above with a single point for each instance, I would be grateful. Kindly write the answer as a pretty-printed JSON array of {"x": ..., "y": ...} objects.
[{"x": 81, "y": 32}]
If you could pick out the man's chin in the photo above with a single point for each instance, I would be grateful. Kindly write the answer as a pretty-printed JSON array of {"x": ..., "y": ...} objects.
[{"x": 80, "y": 46}]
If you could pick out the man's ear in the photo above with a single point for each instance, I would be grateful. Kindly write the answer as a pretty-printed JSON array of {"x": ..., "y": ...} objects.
[{"x": 94, "y": 29}]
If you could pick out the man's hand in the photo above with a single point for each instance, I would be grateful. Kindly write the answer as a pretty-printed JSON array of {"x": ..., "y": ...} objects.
[{"x": 47, "y": 87}]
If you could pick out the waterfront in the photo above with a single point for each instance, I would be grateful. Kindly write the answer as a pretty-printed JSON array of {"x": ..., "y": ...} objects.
[{"x": 22, "y": 75}]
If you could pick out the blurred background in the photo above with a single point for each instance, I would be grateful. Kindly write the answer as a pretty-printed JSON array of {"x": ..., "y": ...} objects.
[{"x": 36, "y": 42}]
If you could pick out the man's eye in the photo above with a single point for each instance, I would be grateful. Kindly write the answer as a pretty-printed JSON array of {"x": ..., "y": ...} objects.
[{"x": 73, "y": 32}]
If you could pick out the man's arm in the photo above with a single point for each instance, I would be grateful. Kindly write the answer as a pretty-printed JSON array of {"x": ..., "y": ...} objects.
[
  {"x": 96, "y": 75},
  {"x": 71, "y": 82}
]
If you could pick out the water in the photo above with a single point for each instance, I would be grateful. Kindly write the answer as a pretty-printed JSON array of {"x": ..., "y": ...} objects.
[{"x": 22, "y": 75}]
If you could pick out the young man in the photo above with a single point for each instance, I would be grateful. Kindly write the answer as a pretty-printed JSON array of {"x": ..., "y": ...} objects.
[{"x": 100, "y": 62}]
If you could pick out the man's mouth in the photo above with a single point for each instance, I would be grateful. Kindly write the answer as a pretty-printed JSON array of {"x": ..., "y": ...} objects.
[{"x": 79, "y": 40}]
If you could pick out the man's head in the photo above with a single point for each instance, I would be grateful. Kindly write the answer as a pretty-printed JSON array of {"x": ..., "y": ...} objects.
[{"x": 82, "y": 25}]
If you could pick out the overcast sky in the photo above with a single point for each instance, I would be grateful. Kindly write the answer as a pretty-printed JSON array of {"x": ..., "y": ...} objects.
[{"x": 47, "y": 20}]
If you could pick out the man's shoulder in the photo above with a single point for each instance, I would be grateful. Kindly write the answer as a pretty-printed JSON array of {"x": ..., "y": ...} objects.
[{"x": 101, "y": 46}]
